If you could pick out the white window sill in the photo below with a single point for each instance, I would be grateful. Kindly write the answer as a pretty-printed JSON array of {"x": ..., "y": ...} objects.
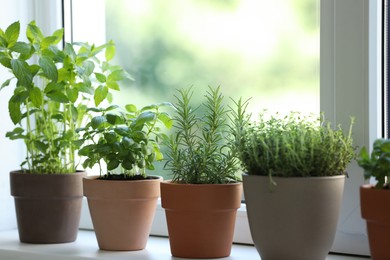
[{"x": 85, "y": 247}]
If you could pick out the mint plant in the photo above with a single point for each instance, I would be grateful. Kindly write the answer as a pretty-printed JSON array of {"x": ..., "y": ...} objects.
[
  {"x": 377, "y": 164},
  {"x": 291, "y": 146},
  {"x": 53, "y": 89},
  {"x": 199, "y": 152},
  {"x": 124, "y": 142}
]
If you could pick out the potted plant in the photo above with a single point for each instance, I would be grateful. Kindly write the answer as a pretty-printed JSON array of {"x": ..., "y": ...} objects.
[
  {"x": 295, "y": 169},
  {"x": 122, "y": 199},
  {"x": 203, "y": 196},
  {"x": 52, "y": 89},
  {"x": 374, "y": 199}
]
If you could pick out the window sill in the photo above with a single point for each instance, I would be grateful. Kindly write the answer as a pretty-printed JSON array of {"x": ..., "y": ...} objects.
[{"x": 85, "y": 247}]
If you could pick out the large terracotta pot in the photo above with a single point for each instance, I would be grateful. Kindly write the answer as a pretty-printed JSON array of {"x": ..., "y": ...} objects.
[
  {"x": 297, "y": 219},
  {"x": 376, "y": 211},
  {"x": 122, "y": 211},
  {"x": 200, "y": 218},
  {"x": 48, "y": 206}
]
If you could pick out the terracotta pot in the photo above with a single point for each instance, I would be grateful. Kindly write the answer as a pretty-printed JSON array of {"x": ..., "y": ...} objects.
[
  {"x": 48, "y": 206},
  {"x": 122, "y": 212},
  {"x": 375, "y": 210},
  {"x": 200, "y": 218},
  {"x": 297, "y": 220}
]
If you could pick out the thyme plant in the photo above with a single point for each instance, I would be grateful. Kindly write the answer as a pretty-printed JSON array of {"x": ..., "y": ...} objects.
[
  {"x": 124, "y": 142},
  {"x": 291, "y": 146},
  {"x": 52, "y": 91},
  {"x": 377, "y": 164},
  {"x": 199, "y": 152}
]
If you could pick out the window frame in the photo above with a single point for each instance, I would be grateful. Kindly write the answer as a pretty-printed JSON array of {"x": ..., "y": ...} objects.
[{"x": 341, "y": 55}]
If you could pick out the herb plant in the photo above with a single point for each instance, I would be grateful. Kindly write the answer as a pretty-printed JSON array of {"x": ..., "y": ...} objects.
[
  {"x": 377, "y": 164},
  {"x": 124, "y": 141},
  {"x": 292, "y": 146},
  {"x": 199, "y": 152},
  {"x": 53, "y": 88}
]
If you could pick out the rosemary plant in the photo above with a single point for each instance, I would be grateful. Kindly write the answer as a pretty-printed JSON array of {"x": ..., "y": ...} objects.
[
  {"x": 377, "y": 164},
  {"x": 199, "y": 152},
  {"x": 52, "y": 93},
  {"x": 124, "y": 142},
  {"x": 292, "y": 146}
]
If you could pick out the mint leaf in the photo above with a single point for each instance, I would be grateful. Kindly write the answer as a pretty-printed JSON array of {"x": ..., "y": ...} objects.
[
  {"x": 49, "y": 68},
  {"x": 100, "y": 94},
  {"x": 12, "y": 34}
]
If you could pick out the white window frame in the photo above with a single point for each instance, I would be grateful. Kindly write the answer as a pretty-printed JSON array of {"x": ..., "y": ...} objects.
[{"x": 349, "y": 86}]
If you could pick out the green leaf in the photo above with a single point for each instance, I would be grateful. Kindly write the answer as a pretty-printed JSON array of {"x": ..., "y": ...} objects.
[
  {"x": 150, "y": 107},
  {"x": 100, "y": 77},
  {"x": 15, "y": 134},
  {"x": 112, "y": 107},
  {"x": 131, "y": 108},
  {"x": 36, "y": 97},
  {"x": 5, "y": 84},
  {"x": 72, "y": 94},
  {"x": 49, "y": 68},
  {"x": 117, "y": 75},
  {"x": 122, "y": 130},
  {"x": 5, "y": 61},
  {"x": 34, "y": 69},
  {"x": 113, "y": 164},
  {"x": 86, "y": 150},
  {"x": 42, "y": 147},
  {"x": 144, "y": 117},
  {"x": 110, "y": 137},
  {"x": 97, "y": 121},
  {"x": 20, "y": 95},
  {"x": 110, "y": 51},
  {"x": 57, "y": 96},
  {"x": 59, "y": 34},
  {"x": 113, "y": 119},
  {"x": 48, "y": 41},
  {"x": 22, "y": 72},
  {"x": 14, "y": 111},
  {"x": 113, "y": 85},
  {"x": 88, "y": 66},
  {"x": 128, "y": 164},
  {"x": 54, "y": 87},
  {"x": 34, "y": 34},
  {"x": 165, "y": 119},
  {"x": 127, "y": 142},
  {"x": 100, "y": 94},
  {"x": 12, "y": 34},
  {"x": 21, "y": 47},
  {"x": 70, "y": 51},
  {"x": 82, "y": 87}
]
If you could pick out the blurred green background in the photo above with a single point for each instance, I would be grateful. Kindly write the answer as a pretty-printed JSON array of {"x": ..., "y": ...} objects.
[{"x": 266, "y": 50}]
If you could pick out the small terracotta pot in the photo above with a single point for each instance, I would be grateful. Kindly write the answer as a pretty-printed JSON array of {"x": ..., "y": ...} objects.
[
  {"x": 122, "y": 211},
  {"x": 48, "y": 206},
  {"x": 200, "y": 218},
  {"x": 297, "y": 220},
  {"x": 375, "y": 210}
]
